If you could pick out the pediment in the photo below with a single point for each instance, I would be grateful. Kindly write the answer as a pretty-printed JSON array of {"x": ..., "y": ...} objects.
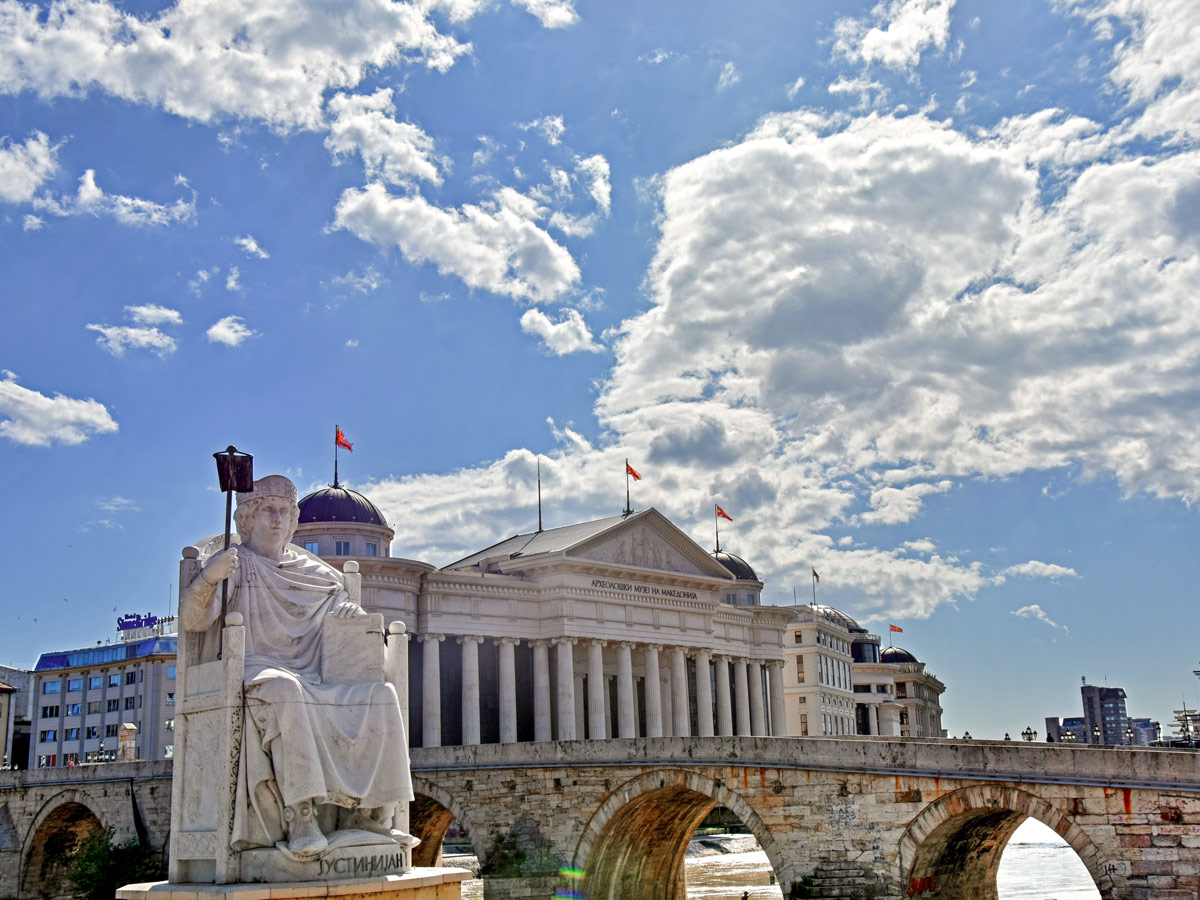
[{"x": 649, "y": 541}]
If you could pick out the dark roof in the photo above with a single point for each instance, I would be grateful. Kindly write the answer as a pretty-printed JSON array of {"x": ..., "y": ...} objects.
[
  {"x": 339, "y": 504},
  {"x": 739, "y": 567},
  {"x": 836, "y": 615},
  {"x": 549, "y": 541},
  {"x": 165, "y": 645},
  {"x": 896, "y": 655}
]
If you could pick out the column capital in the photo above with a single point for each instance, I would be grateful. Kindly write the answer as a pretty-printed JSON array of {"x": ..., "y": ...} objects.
[
  {"x": 499, "y": 642},
  {"x": 541, "y": 642},
  {"x": 657, "y": 647},
  {"x": 627, "y": 645},
  {"x": 598, "y": 642},
  {"x": 469, "y": 639},
  {"x": 426, "y": 637},
  {"x": 564, "y": 640},
  {"x": 702, "y": 651}
]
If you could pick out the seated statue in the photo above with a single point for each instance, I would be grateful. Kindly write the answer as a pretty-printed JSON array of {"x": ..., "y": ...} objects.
[{"x": 316, "y": 758}]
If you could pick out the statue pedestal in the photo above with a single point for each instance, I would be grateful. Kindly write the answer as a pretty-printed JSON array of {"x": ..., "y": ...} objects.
[{"x": 416, "y": 884}]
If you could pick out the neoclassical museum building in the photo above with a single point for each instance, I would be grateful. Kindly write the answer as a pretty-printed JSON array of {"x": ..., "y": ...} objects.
[{"x": 619, "y": 627}]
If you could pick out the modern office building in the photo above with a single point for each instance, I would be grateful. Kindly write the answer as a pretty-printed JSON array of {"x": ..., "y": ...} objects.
[
  {"x": 1104, "y": 708},
  {"x": 81, "y": 699}
]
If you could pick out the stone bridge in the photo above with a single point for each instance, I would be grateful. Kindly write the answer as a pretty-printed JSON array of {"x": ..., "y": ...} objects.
[
  {"x": 866, "y": 818},
  {"x": 610, "y": 820},
  {"x": 45, "y": 813}
]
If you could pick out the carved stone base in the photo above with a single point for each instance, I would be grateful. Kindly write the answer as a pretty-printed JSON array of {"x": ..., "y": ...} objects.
[{"x": 417, "y": 884}]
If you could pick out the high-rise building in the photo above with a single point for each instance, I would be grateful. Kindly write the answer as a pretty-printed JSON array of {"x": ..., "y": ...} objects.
[{"x": 1104, "y": 707}]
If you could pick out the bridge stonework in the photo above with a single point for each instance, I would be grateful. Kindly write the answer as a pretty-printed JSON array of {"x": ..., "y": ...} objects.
[
  {"x": 45, "y": 813},
  {"x": 866, "y": 818}
]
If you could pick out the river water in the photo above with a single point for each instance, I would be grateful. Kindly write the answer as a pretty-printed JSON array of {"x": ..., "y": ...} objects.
[{"x": 1037, "y": 865}]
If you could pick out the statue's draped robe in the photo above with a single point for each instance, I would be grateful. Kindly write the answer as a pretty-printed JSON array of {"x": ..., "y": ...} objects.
[{"x": 340, "y": 744}]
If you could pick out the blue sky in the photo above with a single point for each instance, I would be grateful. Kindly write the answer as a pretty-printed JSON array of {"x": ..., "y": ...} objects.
[{"x": 907, "y": 288}]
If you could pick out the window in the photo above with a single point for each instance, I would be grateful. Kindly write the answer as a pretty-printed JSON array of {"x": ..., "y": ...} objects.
[
  {"x": 171, "y": 699},
  {"x": 114, "y": 680},
  {"x": 73, "y": 709},
  {"x": 110, "y": 730},
  {"x": 341, "y": 548},
  {"x": 169, "y": 751},
  {"x": 75, "y": 684},
  {"x": 800, "y": 669},
  {"x": 45, "y": 762},
  {"x": 94, "y": 706},
  {"x": 131, "y": 677},
  {"x": 803, "y": 700},
  {"x": 49, "y": 734},
  {"x": 799, "y": 637},
  {"x": 51, "y": 687},
  {"x": 114, "y": 704},
  {"x": 70, "y": 734},
  {"x": 372, "y": 549},
  {"x": 70, "y": 759},
  {"x": 901, "y": 689},
  {"x": 49, "y": 712},
  {"x": 731, "y": 599},
  {"x": 312, "y": 547},
  {"x": 170, "y": 673},
  {"x": 169, "y": 725},
  {"x": 749, "y": 599},
  {"x": 93, "y": 731},
  {"x": 95, "y": 683},
  {"x": 131, "y": 702},
  {"x": 803, "y": 723}
]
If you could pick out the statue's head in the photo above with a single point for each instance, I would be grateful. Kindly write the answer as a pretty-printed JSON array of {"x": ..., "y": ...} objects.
[{"x": 275, "y": 494}]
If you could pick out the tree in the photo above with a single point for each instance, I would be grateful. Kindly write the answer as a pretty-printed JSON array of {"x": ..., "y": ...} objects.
[{"x": 98, "y": 867}]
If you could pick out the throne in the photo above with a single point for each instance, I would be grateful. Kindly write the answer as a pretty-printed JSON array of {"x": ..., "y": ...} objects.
[{"x": 209, "y": 717}]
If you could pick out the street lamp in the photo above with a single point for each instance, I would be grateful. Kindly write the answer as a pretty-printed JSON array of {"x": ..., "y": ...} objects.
[
  {"x": 1096, "y": 733},
  {"x": 100, "y": 758},
  {"x": 1129, "y": 734},
  {"x": 966, "y": 735},
  {"x": 1006, "y": 737},
  {"x": 1068, "y": 737},
  {"x": 1029, "y": 734}
]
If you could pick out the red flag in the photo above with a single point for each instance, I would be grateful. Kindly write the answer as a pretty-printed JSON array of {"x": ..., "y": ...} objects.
[
  {"x": 896, "y": 628},
  {"x": 630, "y": 470},
  {"x": 723, "y": 515},
  {"x": 342, "y": 442},
  {"x": 816, "y": 577}
]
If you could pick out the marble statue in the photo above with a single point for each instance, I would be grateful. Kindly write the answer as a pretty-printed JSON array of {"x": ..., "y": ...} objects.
[{"x": 317, "y": 759}]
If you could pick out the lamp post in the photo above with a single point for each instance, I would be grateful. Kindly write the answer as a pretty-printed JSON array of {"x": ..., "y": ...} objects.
[
  {"x": 966, "y": 735},
  {"x": 1096, "y": 733},
  {"x": 100, "y": 758},
  {"x": 1068, "y": 737},
  {"x": 1006, "y": 737},
  {"x": 1029, "y": 734},
  {"x": 1129, "y": 734}
]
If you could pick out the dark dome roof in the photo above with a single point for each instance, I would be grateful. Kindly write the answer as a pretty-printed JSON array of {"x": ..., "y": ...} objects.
[
  {"x": 896, "y": 655},
  {"x": 338, "y": 504},
  {"x": 739, "y": 567},
  {"x": 836, "y": 615}
]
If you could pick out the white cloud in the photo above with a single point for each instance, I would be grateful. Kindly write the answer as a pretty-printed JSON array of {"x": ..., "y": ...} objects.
[
  {"x": 33, "y": 223},
  {"x": 363, "y": 281},
  {"x": 203, "y": 60},
  {"x": 196, "y": 285},
  {"x": 1038, "y": 614},
  {"x": 892, "y": 505},
  {"x": 658, "y": 56},
  {"x": 794, "y": 88},
  {"x": 231, "y": 331},
  {"x": 35, "y": 420},
  {"x": 25, "y": 167},
  {"x": 394, "y": 151},
  {"x": 90, "y": 199},
  {"x": 896, "y": 32},
  {"x": 729, "y": 76},
  {"x": 498, "y": 246},
  {"x": 551, "y": 13},
  {"x": 568, "y": 335},
  {"x": 233, "y": 281},
  {"x": 153, "y": 314},
  {"x": 1037, "y": 569},
  {"x": 551, "y": 128},
  {"x": 116, "y": 339},
  {"x": 352, "y": 343},
  {"x": 250, "y": 245},
  {"x": 118, "y": 504}
]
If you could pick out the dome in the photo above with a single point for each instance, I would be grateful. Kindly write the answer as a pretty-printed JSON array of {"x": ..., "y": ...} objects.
[
  {"x": 836, "y": 615},
  {"x": 339, "y": 504},
  {"x": 735, "y": 564},
  {"x": 896, "y": 655}
]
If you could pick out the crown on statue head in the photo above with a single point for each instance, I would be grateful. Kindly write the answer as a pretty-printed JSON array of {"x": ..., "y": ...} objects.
[{"x": 270, "y": 486}]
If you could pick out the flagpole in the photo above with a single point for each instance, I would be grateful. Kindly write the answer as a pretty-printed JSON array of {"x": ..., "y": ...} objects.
[
  {"x": 335, "y": 455},
  {"x": 628, "y": 507},
  {"x": 814, "y": 579},
  {"x": 539, "y": 464},
  {"x": 717, "y": 527}
]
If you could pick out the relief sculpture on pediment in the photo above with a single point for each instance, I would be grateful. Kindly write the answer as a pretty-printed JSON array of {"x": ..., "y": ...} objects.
[{"x": 644, "y": 549}]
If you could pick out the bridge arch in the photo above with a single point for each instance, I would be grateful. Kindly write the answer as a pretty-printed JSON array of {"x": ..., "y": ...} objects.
[
  {"x": 634, "y": 845},
  {"x": 61, "y": 824},
  {"x": 954, "y": 845},
  {"x": 430, "y": 821}
]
